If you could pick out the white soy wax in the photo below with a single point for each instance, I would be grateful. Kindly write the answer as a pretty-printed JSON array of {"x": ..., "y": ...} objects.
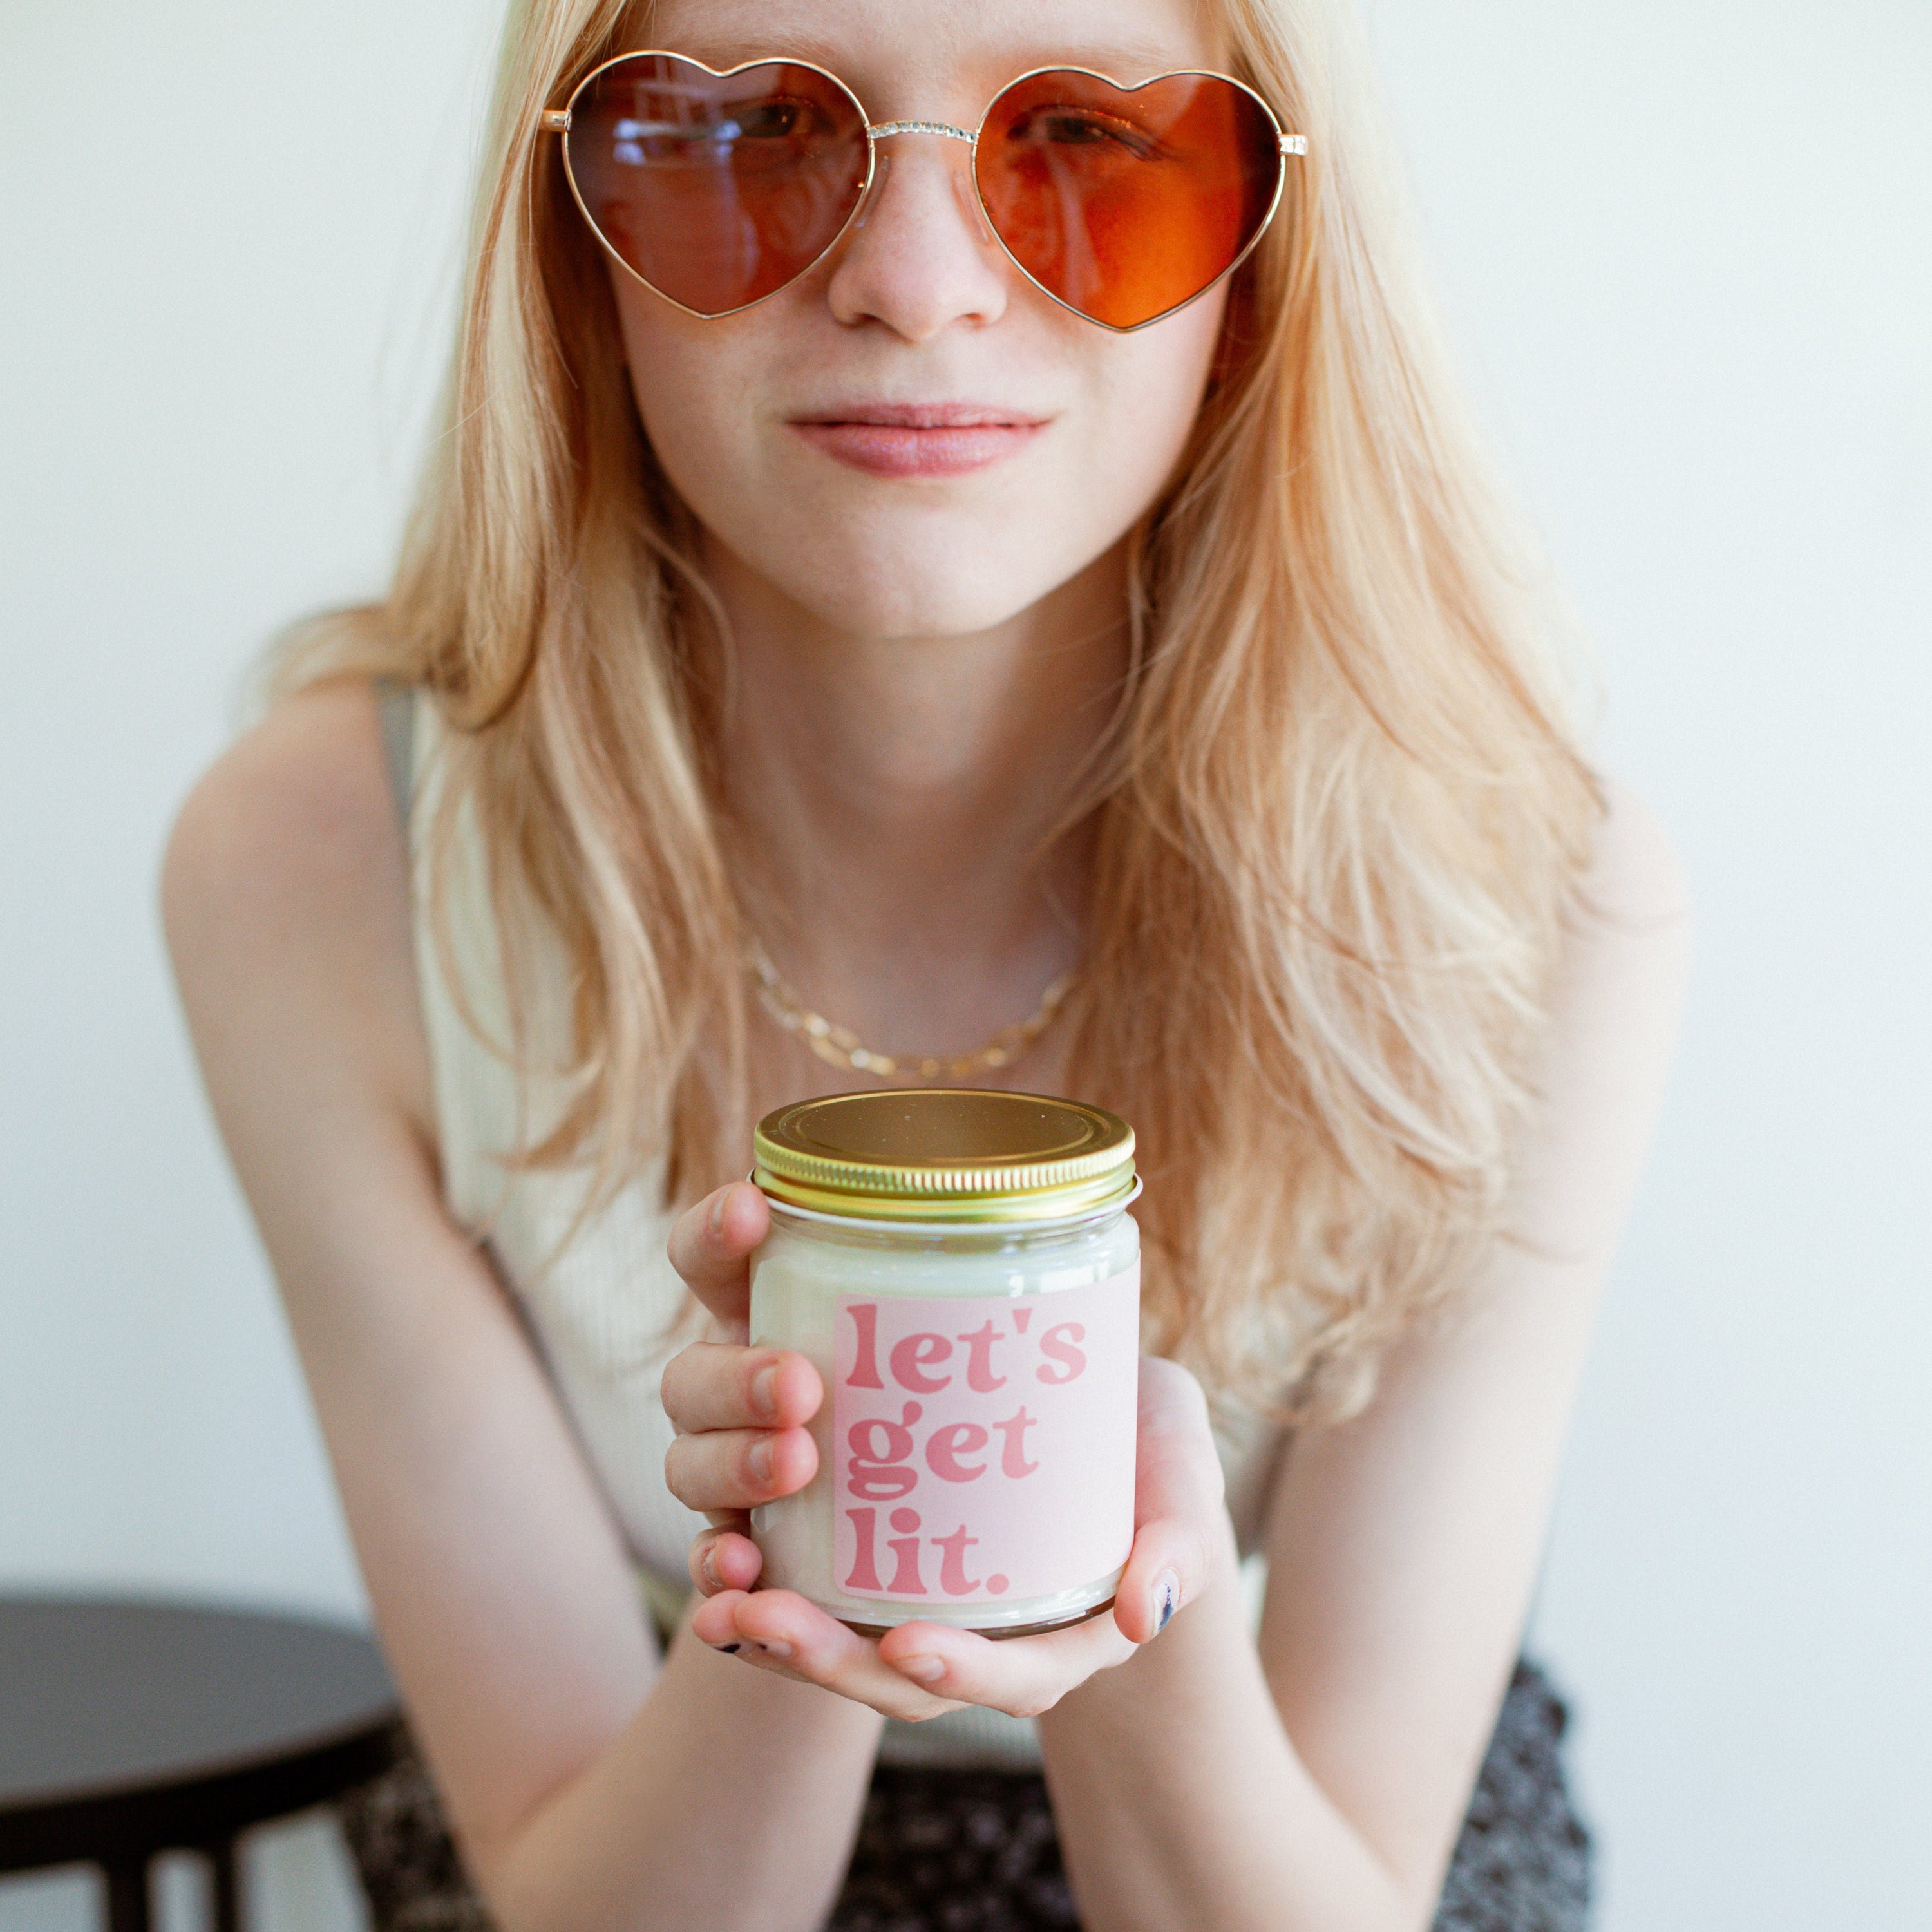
[{"x": 975, "y": 1444}]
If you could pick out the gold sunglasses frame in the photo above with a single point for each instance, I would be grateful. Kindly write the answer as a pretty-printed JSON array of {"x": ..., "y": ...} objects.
[{"x": 558, "y": 120}]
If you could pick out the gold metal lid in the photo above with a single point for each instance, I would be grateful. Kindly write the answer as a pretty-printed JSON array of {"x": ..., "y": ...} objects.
[{"x": 945, "y": 1153}]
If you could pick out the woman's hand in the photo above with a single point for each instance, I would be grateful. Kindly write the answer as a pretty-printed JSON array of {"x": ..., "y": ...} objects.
[{"x": 741, "y": 1413}]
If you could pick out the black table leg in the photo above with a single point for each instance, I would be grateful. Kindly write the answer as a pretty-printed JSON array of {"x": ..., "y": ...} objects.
[
  {"x": 227, "y": 1894},
  {"x": 127, "y": 1897}
]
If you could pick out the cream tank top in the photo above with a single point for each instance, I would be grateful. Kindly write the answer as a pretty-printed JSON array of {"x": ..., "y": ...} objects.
[{"x": 602, "y": 1306}]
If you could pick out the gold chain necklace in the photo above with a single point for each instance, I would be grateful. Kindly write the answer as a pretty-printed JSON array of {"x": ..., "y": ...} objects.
[{"x": 839, "y": 1046}]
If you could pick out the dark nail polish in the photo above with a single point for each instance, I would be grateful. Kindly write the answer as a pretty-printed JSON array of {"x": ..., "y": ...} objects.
[
  {"x": 1167, "y": 1607},
  {"x": 731, "y": 1649}
]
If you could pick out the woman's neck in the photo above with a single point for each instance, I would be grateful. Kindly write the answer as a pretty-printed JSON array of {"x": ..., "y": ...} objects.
[{"x": 903, "y": 798}]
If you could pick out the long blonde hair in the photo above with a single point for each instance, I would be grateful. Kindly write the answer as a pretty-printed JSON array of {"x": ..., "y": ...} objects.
[{"x": 1339, "y": 822}]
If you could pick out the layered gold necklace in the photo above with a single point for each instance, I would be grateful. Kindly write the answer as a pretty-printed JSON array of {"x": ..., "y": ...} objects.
[{"x": 839, "y": 1046}]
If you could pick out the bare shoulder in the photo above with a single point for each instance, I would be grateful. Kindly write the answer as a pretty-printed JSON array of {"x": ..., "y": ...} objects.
[
  {"x": 1635, "y": 879},
  {"x": 301, "y": 795},
  {"x": 285, "y": 892},
  {"x": 1626, "y": 932},
  {"x": 1615, "y": 1012}
]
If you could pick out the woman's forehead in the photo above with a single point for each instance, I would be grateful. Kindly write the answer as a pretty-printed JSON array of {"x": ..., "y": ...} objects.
[{"x": 986, "y": 41}]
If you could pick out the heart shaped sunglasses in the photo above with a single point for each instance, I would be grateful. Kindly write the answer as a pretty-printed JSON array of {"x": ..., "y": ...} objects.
[{"x": 1123, "y": 204}]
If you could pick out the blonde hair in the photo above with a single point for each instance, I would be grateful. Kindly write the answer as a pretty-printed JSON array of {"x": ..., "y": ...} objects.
[{"x": 1340, "y": 818}]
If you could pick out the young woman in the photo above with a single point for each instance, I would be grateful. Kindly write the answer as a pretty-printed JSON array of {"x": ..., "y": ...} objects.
[{"x": 882, "y": 592}]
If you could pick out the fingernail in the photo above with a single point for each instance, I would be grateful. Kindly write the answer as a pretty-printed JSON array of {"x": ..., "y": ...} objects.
[
  {"x": 1166, "y": 1599},
  {"x": 758, "y": 1458},
  {"x": 707, "y": 1563},
  {"x": 718, "y": 1212},
  {"x": 729, "y": 1649},
  {"x": 774, "y": 1646},
  {"x": 765, "y": 1390},
  {"x": 926, "y": 1669}
]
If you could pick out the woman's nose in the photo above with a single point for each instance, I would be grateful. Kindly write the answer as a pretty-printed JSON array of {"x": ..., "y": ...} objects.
[{"x": 919, "y": 256}]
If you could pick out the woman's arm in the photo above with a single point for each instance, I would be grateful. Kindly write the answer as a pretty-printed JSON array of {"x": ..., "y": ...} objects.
[
  {"x": 589, "y": 1785},
  {"x": 1403, "y": 1546}
]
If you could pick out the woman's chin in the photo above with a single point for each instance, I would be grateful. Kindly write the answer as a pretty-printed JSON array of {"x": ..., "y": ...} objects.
[{"x": 881, "y": 604}]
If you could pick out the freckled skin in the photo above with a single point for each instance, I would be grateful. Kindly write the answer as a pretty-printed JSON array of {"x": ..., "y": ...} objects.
[{"x": 915, "y": 304}]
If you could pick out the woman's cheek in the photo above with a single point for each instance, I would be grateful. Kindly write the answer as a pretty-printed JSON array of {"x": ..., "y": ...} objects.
[{"x": 880, "y": 562}]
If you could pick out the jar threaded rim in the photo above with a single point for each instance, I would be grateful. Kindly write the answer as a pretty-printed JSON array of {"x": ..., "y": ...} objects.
[{"x": 945, "y": 1154}]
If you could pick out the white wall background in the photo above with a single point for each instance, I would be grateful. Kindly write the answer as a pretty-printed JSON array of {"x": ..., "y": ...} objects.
[{"x": 1688, "y": 245}]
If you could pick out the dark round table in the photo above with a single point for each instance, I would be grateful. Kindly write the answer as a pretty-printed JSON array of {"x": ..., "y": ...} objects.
[{"x": 129, "y": 1728}]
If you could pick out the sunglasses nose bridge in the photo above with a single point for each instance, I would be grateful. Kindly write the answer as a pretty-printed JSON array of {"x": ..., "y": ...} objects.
[
  {"x": 878, "y": 129},
  {"x": 964, "y": 185}
]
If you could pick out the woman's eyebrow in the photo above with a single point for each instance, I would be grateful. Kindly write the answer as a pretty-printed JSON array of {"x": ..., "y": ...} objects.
[{"x": 1118, "y": 60}]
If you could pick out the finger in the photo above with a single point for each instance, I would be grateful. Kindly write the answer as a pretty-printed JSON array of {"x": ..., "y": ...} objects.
[
  {"x": 1180, "y": 1522},
  {"x": 710, "y": 1246},
  {"x": 1022, "y": 1676},
  {"x": 777, "y": 1630},
  {"x": 738, "y": 1468},
  {"x": 724, "y": 1558},
  {"x": 722, "y": 1385}
]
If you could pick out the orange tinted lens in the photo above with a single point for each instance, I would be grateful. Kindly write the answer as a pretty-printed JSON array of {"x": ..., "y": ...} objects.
[
  {"x": 716, "y": 189},
  {"x": 1126, "y": 203}
]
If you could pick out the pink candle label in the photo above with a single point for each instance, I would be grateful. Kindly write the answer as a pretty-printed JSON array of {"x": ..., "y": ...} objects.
[{"x": 984, "y": 1443}]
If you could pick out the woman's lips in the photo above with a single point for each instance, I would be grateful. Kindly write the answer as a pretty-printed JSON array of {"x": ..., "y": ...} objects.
[{"x": 918, "y": 439}]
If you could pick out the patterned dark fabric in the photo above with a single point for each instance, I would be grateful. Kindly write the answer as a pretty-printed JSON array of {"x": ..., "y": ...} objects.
[
  {"x": 1522, "y": 1862},
  {"x": 974, "y": 1851},
  {"x": 955, "y": 1851},
  {"x": 410, "y": 1873}
]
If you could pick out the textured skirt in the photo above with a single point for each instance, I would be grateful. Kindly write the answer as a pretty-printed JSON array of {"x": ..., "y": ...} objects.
[{"x": 974, "y": 1851}]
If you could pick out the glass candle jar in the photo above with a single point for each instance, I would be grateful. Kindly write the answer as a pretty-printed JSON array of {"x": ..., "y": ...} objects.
[{"x": 961, "y": 1267}]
